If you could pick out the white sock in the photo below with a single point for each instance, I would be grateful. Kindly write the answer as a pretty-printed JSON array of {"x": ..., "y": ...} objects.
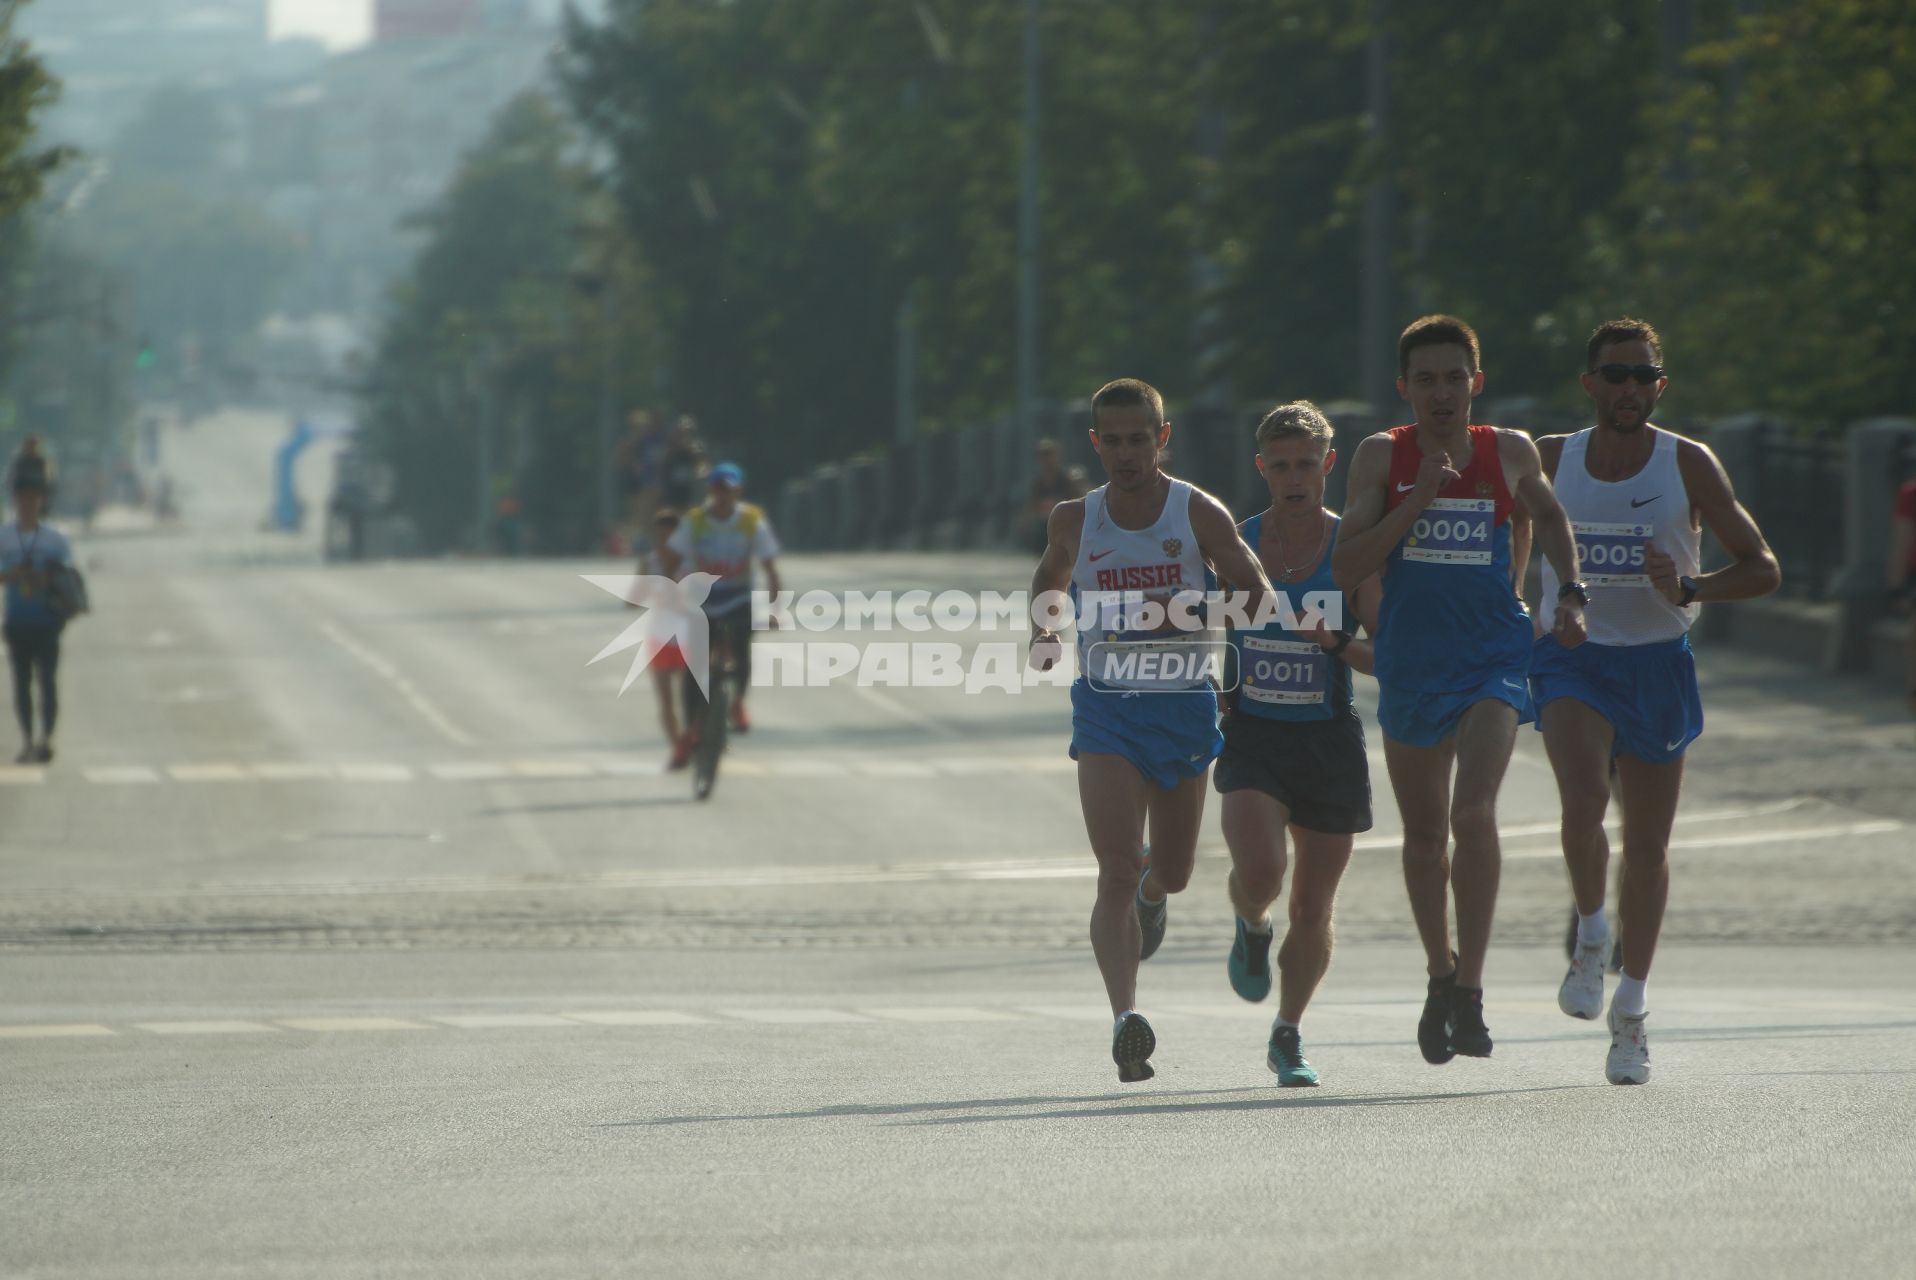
[
  {"x": 1629, "y": 998},
  {"x": 1592, "y": 929},
  {"x": 1280, "y": 1021},
  {"x": 1258, "y": 926}
]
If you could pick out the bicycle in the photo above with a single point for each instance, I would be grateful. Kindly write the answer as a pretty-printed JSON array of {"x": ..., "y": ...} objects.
[{"x": 714, "y": 726}]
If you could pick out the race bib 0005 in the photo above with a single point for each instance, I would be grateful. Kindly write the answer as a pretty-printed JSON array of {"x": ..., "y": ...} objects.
[
  {"x": 1611, "y": 555},
  {"x": 1453, "y": 531}
]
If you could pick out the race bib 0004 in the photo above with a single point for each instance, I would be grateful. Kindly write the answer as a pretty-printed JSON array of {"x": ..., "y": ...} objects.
[
  {"x": 1453, "y": 531},
  {"x": 1611, "y": 555}
]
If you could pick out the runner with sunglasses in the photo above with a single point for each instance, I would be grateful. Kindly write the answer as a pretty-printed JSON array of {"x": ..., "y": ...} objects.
[{"x": 1638, "y": 497}]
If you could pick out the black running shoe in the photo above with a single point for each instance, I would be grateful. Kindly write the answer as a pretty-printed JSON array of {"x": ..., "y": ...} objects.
[
  {"x": 1433, "y": 1028},
  {"x": 1131, "y": 1048},
  {"x": 1152, "y": 918},
  {"x": 1468, "y": 1034}
]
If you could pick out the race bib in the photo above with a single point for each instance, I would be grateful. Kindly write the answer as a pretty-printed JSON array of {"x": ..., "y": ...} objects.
[
  {"x": 1283, "y": 672},
  {"x": 1453, "y": 531},
  {"x": 1611, "y": 555}
]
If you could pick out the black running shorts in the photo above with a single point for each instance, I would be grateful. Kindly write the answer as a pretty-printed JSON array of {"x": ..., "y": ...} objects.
[{"x": 1314, "y": 768}]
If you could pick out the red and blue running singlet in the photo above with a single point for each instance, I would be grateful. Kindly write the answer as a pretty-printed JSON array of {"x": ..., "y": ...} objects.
[{"x": 1450, "y": 618}]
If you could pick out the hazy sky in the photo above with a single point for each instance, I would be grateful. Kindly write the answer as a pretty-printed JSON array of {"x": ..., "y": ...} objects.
[{"x": 338, "y": 22}]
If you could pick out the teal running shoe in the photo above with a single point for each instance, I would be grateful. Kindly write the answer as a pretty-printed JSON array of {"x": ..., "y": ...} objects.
[
  {"x": 1286, "y": 1058},
  {"x": 1250, "y": 962}
]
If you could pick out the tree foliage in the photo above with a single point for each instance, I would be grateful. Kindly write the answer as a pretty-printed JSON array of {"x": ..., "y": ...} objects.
[
  {"x": 501, "y": 326},
  {"x": 789, "y": 175}
]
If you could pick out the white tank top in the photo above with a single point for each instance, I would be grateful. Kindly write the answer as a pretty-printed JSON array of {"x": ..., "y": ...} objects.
[
  {"x": 1614, "y": 521},
  {"x": 1119, "y": 568}
]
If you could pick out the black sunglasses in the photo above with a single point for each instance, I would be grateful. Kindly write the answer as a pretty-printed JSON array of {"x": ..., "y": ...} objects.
[{"x": 1615, "y": 374}]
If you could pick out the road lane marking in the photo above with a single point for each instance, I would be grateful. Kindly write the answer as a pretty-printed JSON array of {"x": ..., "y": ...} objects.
[
  {"x": 637, "y": 1018},
  {"x": 551, "y": 769},
  {"x": 490, "y": 1021},
  {"x": 13, "y": 775},
  {"x": 375, "y": 772},
  {"x": 206, "y": 773},
  {"x": 55, "y": 1031},
  {"x": 113, "y": 775},
  {"x": 391, "y": 674},
  {"x": 940, "y": 1013},
  {"x": 207, "y": 1028},
  {"x": 468, "y": 771},
  {"x": 352, "y": 1024},
  {"x": 293, "y": 771},
  {"x": 794, "y": 1014}
]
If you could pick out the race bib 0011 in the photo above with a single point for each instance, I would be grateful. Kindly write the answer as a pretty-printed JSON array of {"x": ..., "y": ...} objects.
[
  {"x": 1611, "y": 555},
  {"x": 1284, "y": 672},
  {"x": 1453, "y": 531}
]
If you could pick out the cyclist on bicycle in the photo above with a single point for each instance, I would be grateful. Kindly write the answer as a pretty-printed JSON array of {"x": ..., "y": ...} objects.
[{"x": 723, "y": 537}]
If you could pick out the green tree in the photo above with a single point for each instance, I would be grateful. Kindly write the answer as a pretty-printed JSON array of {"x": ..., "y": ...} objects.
[
  {"x": 791, "y": 171},
  {"x": 26, "y": 91},
  {"x": 1770, "y": 227},
  {"x": 495, "y": 347}
]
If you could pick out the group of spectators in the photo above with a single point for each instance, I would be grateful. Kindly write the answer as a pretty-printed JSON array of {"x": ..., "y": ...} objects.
[{"x": 660, "y": 468}]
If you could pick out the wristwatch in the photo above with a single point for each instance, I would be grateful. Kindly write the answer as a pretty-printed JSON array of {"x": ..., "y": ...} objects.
[
  {"x": 1577, "y": 589},
  {"x": 1688, "y": 598},
  {"x": 1343, "y": 642}
]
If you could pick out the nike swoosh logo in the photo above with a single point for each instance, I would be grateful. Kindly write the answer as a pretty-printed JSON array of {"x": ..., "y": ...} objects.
[
  {"x": 1672, "y": 746},
  {"x": 1405, "y": 488},
  {"x": 1646, "y": 502},
  {"x": 1099, "y": 555},
  {"x": 1514, "y": 684}
]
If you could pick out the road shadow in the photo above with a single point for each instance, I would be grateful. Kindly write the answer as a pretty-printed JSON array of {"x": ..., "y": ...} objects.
[{"x": 1192, "y": 1101}]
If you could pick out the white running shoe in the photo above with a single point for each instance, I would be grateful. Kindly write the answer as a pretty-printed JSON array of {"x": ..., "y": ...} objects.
[
  {"x": 1629, "y": 1061},
  {"x": 1581, "y": 995}
]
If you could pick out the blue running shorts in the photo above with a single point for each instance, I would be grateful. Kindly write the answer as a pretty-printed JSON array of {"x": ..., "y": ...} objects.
[
  {"x": 1647, "y": 692},
  {"x": 1426, "y": 719},
  {"x": 1167, "y": 737}
]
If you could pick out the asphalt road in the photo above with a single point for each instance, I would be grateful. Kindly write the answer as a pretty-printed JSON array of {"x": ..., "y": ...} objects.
[{"x": 357, "y": 931}]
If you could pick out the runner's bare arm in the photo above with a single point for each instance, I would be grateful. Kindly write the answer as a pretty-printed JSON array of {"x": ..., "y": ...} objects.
[
  {"x": 1752, "y": 570},
  {"x": 1220, "y": 543},
  {"x": 1361, "y": 655},
  {"x": 1520, "y": 459},
  {"x": 1063, "y": 528},
  {"x": 1368, "y": 533},
  {"x": 1523, "y": 529}
]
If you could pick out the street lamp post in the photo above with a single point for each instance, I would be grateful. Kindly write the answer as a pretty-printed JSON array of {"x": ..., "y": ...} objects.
[{"x": 1028, "y": 237}]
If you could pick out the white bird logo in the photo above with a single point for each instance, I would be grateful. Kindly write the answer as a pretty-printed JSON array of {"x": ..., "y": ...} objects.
[{"x": 673, "y": 611}]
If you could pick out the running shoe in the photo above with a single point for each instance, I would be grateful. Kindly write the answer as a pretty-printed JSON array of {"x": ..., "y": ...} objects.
[
  {"x": 1250, "y": 962},
  {"x": 741, "y": 723},
  {"x": 1468, "y": 1034},
  {"x": 44, "y": 754},
  {"x": 27, "y": 755},
  {"x": 1433, "y": 1028},
  {"x": 1581, "y": 995},
  {"x": 1131, "y": 1046},
  {"x": 1629, "y": 1061},
  {"x": 1286, "y": 1057},
  {"x": 1614, "y": 964},
  {"x": 1152, "y": 917}
]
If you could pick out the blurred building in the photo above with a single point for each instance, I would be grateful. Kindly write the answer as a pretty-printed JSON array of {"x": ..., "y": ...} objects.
[{"x": 111, "y": 54}]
